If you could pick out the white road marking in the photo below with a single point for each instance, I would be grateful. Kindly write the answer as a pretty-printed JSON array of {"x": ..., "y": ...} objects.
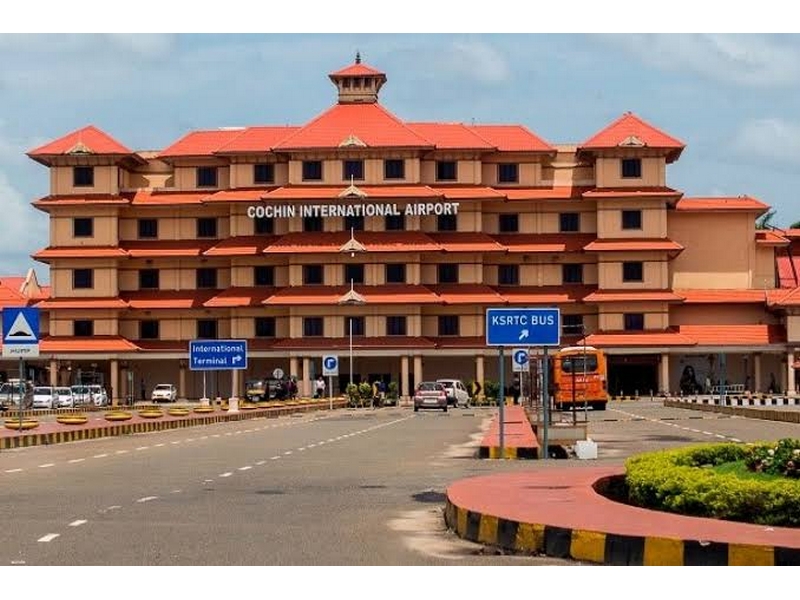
[
  {"x": 216, "y": 435},
  {"x": 331, "y": 440},
  {"x": 707, "y": 433},
  {"x": 720, "y": 436},
  {"x": 175, "y": 492},
  {"x": 695, "y": 430},
  {"x": 17, "y": 562},
  {"x": 159, "y": 445},
  {"x": 100, "y": 455},
  {"x": 49, "y": 537},
  {"x": 143, "y": 447},
  {"x": 18, "y": 470},
  {"x": 146, "y": 499},
  {"x": 312, "y": 445},
  {"x": 229, "y": 433},
  {"x": 237, "y": 433},
  {"x": 320, "y": 443},
  {"x": 205, "y": 437},
  {"x": 275, "y": 458},
  {"x": 737, "y": 440},
  {"x": 177, "y": 442},
  {"x": 261, "y": 462},
  {"x": 208, "y": 480},
  {"x": 246, "y": 468},
  {"x": 114, "y": 507},
  {"x": 78, "y": 523},
  {"x": 287, "y": 452},
  {"x": 301, "y": 449},
  {"x": 189, "y": 440},
  {"x": 228, "y": 474},
  {"x": 121, "y": 452},
  {"x": 46, "y": 466}
]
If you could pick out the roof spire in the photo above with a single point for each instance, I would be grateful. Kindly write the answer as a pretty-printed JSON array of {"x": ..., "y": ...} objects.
[{"x": 358, "y": 57}]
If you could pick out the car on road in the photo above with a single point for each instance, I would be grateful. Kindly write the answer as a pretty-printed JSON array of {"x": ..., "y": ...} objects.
[
  {"x": 98, "y": 395},
  {"x": 44, "y": 397},
  {"x": 80, "y": 395},
  {"x": 64, "y": 397},
  {"x": 457, "y": 394},
  {"x": 10, "y": 392},
  {"x": 164, "y": 392},
  {"x": 430, "y": 394}
]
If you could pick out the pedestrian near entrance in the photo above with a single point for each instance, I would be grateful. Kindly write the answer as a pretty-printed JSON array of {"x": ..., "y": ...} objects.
[
  {"x": 320, "y": 387},
  {"x": 143, "y": 389}
]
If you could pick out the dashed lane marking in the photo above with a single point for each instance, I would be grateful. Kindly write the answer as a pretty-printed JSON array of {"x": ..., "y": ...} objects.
[
  {"x": 146, "y": 499},
  {"x": 228, "y": 474},
  {"x": 287, "y": 453},
  {"x": 49, "y": 537},
  {"x": 46, "y": 466},
  {"x": 121, "y": 452},
  {"x": 78, "y": 523},
  {"x": 159, "y": 445},
  {"x": 245, "y": 468},
  {"x": 16, "y": 470},
  {"x": 100, "y": 455},
  {"x": 261, "y": 462},
  {"x": 143, "y": 447},
  {"x": 275, "y": 458}
]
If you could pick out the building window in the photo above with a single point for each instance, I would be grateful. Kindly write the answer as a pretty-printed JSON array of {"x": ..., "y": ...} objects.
[
  {"x": 396, "y": 273},
  {"x": 395, "y": 223},
  {"x": 446, "y": 223},
  {"x": 508, "y": 173},
  {"x": 207, "y": 329},
  {"x": 634, "y": 321},
  {"x": 394, "y": 169},
  {"x": 83, "y": 328},
  {"x": 357, "y": 323},
  {"x": 206, "y": 278},
  {"x": 353, "y": 169},
  {"x": 83, "y": 176},
  {"x": 508, "y": 274},
  {"x": 264, "y": 275},
  {"x": 206, "y": 177},
  {"x": 148, "y": 279},
  {"x": 312, "y": 170},
  {"x": 572, "y": 273},
  {"x": 313, "y": 327},
  {"x": 446, "y": 170},
  {"x": 571, "y": 324},
  {"x": 448, "y": 273},
  {"x": 264, "y": 225},
  {"x": 395, "y": 326},
  {"x": 264, "y": 173},
  {"x": 631, "y": 219},
  {"x": 265, "y": 327},
  {"x": 631, "y": 168},
  {"x": 448, "y": 325},
  {"x": 569, "y": 222},
  {"x": 354, "y": 273},
  {"x": 82, "y": 279},
  {"x": 312, "y": 224},
  {"x": 83, "y": 227},
  {"x": 354, "y": 223},
  {"x": 633, "y": 271},
  {"x": 312, "y": 274},
  {"x": 148, "y": 228},
  {"x": 509, "y": 223},
  {"x": 207, "y": 227},
  {"x": 148, "y": 330}
]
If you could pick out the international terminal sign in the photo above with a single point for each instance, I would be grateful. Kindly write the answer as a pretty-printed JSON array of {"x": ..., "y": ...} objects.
[{"x": 287, "y": 211}]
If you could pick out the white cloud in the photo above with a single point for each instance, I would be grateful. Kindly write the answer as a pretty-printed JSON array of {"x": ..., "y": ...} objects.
[
  {"x": 772, "y": 139},
  {"x": 26, "y": 230},
  {"x": 748, "y": 60},
  {"x": 477, "y": 60}
]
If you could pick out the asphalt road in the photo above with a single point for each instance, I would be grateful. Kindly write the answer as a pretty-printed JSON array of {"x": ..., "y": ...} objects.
[{"x": 343, "y": 488}]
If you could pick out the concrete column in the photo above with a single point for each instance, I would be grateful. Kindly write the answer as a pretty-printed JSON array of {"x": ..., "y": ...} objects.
[
  {"x": 294, "y": 367},
  {"x": 404, "y": 391},
  {"x": 182, "y": 382},
  {"x": 235, "y": 384},
  {"x": 790, "y": 389},
  {"x": 54, "y": 372},
  {"x": 756, "y": 372},
  {"x": 479, "y": 372},
  {"x": 417, "y": 370},
  {"x": 663, "y": 375},
  {"x": 305, "y": 387},
  {"x": 114, "y": 368}
]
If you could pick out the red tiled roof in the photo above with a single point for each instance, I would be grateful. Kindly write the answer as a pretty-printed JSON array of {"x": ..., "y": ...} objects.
[
  {"x": 791, "y": 233},
  {"x": 86, "y": 199},
  {"x": 568, "y": 294},
  {"x": 511, "y": 138},
  {"x": 356, "y": 69},
  {"x": 669, "y": 337},
  {"x": 256, "y": 139},
  {"x": 165, "y": 248},
  {"x": 331, "y": 192},
  {"x": 744, "y": 296},
  {"x": 97, "y": 343},
  {"x": 238, "y": 195},
  {"x": 465, "y": 293},
  {"x": 632, "y": 245},
  {"x": 164, "y": 345},
  {"x": 155, "y": 299},
  {"x": 768, "y": 237},
  {"x": 244, "y": 245},
  {"x": 742, "y": 203},
  {"x": 88, "y": 140},
  {"x": 81, "y": 303},
  {"x": 459, "y": 342},
  {"x": 530, "y": 243},
  {"x": 629, "y": 129},
  {"x": 785, "y": 297},
  {"x": 10, "y": 294},
  {"x": 240, "y": 296},
  {"x": 370, "y": 123},
  {"x": 653, "y": 192},
  {"x": 200, "y": 143},
  {"x": 465, "y": 241},
  {"x": 469, "y": 193},
  {"x": 398, "y": 294},
  {"x": 332, "y": 294},
  {"x": 560, "y": 192},
  {"x": 788, "y": 266},
  {"x": 374, "y": 241},
  {"x": 734, "y": 335},
  {"x": 79, "y": 252},
  {"x": 342, "y": 343},
  {"x": 152, "y": 198},
  {"x": 633, "y": 296},
  {"x": 449, "y": 136}
]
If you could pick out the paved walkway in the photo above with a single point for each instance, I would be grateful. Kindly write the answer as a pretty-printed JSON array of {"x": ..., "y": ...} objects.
[
  {"x": 555, "y": 511},
  {"x": 519, "y": 441}
]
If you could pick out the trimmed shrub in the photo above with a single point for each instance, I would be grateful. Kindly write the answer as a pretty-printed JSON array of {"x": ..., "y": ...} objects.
[
  {"x": 491, "y": 389},
  {"x": 782, "y": 458},
  {"x": 683, "y": 481}
]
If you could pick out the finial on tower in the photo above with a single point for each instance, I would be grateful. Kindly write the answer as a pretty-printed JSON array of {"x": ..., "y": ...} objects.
[{"x": 358, "y": 57}]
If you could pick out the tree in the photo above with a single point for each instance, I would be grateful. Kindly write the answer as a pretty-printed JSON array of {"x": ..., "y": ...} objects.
[
  {"x": 765, "y": 220},
  {"x": 795, "y": 225}
]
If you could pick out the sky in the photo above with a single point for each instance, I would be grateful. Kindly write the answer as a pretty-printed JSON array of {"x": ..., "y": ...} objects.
[{"x": 733, "y": 99}]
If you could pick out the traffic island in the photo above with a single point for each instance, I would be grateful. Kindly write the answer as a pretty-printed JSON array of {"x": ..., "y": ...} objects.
[
  {"x": 18, "y": 425},
  {"x": 519, "y": 441},
  {"x": 72, "y": 419}
]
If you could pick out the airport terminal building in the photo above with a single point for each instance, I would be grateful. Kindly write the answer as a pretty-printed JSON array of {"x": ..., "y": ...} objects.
[{"x": 396, "y": 235}]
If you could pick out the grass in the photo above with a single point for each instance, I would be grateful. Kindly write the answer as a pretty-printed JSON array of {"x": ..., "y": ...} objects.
[{"x": 739, "y": 469}]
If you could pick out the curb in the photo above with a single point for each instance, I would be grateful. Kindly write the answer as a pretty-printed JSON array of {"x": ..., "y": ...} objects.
[
  {"x": 510, "y": 453},
  {"x": 608, "y": 548},
  {"x": 739, "y": 411}
]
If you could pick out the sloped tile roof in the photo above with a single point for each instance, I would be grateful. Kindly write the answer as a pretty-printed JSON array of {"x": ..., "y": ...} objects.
[
  {"x": 465, "y": 241},
  {"x": 512, "y": 138},
  {"x": 79, "y": 252},
  {"x": 632, "y": 245},
  {"x": 669, "y": 337},
  {"x": 567, "y": 294},
  {"x": 165, "y": 248},
  {"x": 88, "y": 140},
  {"x": 734, "y": 335},
  {"x": 736, "y": 296},
  {"x": 200, "y": 143},
  {"x": 96, "y": 343},
  {"x": 243, "y": 245},
  {"x": 450, "y": 136},
  {"x": 652, "y": 192},
  {"x": 356, "y": 69},
  {"x": 530, "y": 243},
  {"x": 256, "y": 139},
  {"x": 736, "y": 203},
  {"x": 631, "y": 126},
  {"x": 633, "y": 296},
  {"x": 240, "y": 297},
  {"x": 82, "y": 303}
]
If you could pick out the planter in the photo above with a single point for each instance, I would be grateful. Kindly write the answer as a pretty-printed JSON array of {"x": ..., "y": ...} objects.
[
  {"x": 26, "y": 424},
  {"x": 178, "y": 412},
  {"x": 204, "y": 409},
  {"x": 248, "y": 406},
  {"x": 151, "y": 414},
  {"x": 118, "y": 415},
  {"x": 72, "y": 419}
]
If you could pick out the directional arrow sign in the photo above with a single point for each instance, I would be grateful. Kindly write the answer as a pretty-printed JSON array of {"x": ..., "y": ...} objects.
[
  {"x": 521, "y": 361},
  {"x": 213, "y": 355},
  {"x": 330, "y": 366},
  {"x": 533, "y": 326}
]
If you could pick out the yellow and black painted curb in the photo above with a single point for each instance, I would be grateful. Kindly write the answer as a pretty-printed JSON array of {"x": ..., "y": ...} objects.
[
  {"x": 609, "y": 548},
  {"x": 766, "y": 414},
  {"x": 509, "y": 452},
  {"x": 25, "y": 440}
]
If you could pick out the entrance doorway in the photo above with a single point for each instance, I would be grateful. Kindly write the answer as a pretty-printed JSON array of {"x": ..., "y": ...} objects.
[{"x": 631, "y": 375}]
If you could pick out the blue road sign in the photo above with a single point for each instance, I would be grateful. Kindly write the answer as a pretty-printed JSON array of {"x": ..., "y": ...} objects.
[
  {"x": 521, "y": 357},
  {"x": 212, "y": 355},
  {"x": 330, "y": 366},
  {"x": 523, "y": 326},
  {"x": 20, "y": 332}
]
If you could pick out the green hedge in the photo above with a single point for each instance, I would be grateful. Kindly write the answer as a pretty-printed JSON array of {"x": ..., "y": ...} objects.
[{"x": 682, "y": 481}]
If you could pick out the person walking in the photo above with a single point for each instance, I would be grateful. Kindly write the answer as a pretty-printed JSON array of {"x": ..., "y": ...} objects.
[{"x": 320, "y": 387}]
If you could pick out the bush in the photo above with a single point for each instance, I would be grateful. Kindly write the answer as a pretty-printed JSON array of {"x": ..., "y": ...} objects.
[
  {"x": 365, "y": 391},
  {"x": 352, "y": 394},
  {"x": 491, "y": 389},
  {"x": 682, "y": 481},
  {"x": 782, "y": 458},
  {"x": 392, "y": 392}
]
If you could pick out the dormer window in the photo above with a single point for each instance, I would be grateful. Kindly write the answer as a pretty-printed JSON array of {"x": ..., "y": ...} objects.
[
  {"x": 631, "y": 168},
  {"x": 83, "y": 176},
  {"x": 206, "y": 177},
  {"x": 353, "y": 169}
]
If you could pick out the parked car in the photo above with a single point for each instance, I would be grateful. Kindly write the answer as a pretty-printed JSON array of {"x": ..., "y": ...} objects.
[
  {"x": 164, "y": 392},
  {"x": 98, "y": 395},
  {"x": 80, "y": 395},
  {"x": 10, "y": 392},
  {"x": 64, "y": 397},
  {"x": 43, "y": 397},
  {"x": 430, "y": 394},
  {"x": 457, "y": 394}
]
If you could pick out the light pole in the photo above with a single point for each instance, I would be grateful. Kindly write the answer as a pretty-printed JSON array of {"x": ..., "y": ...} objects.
[{"x": 351, "y": 298}]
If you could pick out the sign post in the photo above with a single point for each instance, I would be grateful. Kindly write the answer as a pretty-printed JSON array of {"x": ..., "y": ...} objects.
[
  {"x": 21, "y": 339},
  {"x": 330, "y": 369},
  {"x": 213, "y": 355},
  {"x": 516, "y": 326}
]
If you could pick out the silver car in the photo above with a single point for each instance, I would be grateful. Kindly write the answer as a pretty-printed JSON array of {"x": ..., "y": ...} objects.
[
  {"x": 457, "y": 394},
  {"x": 64, "y": 397},
  {"x": 43, "y": 397}
]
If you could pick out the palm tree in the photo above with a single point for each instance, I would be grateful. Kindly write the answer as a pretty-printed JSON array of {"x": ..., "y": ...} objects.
[{"x": 765, "y": 220}]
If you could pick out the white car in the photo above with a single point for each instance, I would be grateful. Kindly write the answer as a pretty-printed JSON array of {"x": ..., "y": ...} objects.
[
  {"x": 64, "y": 397},
  {"x": 80, "y": 395},
  {"x": 44, "y": 397},
  {"x": 98, "y": 395},
  {"x": 164, "y": 392},
  {"x": 457, "y": 394}
]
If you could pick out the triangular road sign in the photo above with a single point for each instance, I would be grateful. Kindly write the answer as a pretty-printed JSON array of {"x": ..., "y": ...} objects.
[{"x": 20, "y": 331}]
